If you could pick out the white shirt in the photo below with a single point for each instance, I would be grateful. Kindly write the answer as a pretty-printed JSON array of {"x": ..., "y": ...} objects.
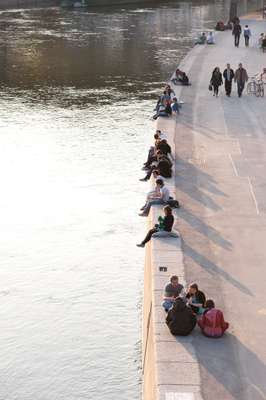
[{"x": 165, "y": 194}]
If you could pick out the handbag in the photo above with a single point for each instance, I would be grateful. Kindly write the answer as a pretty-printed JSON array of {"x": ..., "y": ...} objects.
[{"x": 210, "y": 87}]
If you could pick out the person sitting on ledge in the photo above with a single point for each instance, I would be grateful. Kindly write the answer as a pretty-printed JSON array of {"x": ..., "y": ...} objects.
[
  {"x": 180, "y": 318},
  {"x": 169, "y": 91},
  {"x": 201, "y": 39},
  {"x": 164, "y": 147},
  {"x": 210, "y": 38},
  {"x": 166, "y": 224},
  {"x": 212, "y": 321},
  {"x": 160, "y": 197},
  {"x": 164, "y": 110},
  {"x": 163, "y": 164},
  {"x": 171, "y": 292},
  {"x": 175, "y": 106},
  {"x": 180, "y": 77},
  {"x": 196, "y": 299}
]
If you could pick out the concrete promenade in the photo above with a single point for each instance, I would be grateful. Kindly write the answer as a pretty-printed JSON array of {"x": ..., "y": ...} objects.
[{"x": 221, "y": 184}]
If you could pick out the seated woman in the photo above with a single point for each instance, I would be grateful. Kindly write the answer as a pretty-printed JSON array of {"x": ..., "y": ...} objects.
[
  {"x": 180, "y": 319},
  {"x": 210, "y": 38},
  {"x": 164, "y": 110},
  {"x": 166, "y": 224},
  {"x": 212, "y": 321},
  {"x": 196, "y": 299},
  {"x": 180, "y": 77}
]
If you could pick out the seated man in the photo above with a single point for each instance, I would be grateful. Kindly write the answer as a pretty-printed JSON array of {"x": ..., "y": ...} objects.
[
  {"x": 210, "y": 38},
  {"x": 166, "y": 225},
  {"x": 201, "y": 39},
  {"x": 161, "y": 197},
  {"x": 164, "y": 147},
  {"x": 180, "y": 319},
  {"x": 212, "y": 322},
  {"x": 163, "y": 165},
  {"x": 171, "y": 292},
  {"x": 175, "y": 106},
  {"x": 196, "y": 299}
]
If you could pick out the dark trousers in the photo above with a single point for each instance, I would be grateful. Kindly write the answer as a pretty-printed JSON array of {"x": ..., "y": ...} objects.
[
  {"x": 237, "y": 37},
  {"x": 216, "y": 89},
  {"x": 228, "y": 87},
  {"x": 149, "y": 235},
  {"x": 247, "y": 41},
  {"x": 240, "y": 88}
]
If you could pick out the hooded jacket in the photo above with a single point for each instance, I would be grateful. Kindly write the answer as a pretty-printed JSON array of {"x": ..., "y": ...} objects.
[{"x": 180, "y": 319}]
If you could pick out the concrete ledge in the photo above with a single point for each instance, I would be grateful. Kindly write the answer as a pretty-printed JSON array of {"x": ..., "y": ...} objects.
[{"x": 170, "y": 367}]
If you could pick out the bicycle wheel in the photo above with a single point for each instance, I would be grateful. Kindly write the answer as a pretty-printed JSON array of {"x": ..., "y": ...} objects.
[
  {"x": 257, "y": 92},
  {"x": 249, "y": 88}
]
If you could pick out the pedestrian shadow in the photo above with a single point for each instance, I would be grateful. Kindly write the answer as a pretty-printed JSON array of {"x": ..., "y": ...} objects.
[
  {"x": 220, "y": 365},
  {"x": 212, "y": 268},
  {"x": 198, "y": 176},
  {"x": 204, "y": 229}
]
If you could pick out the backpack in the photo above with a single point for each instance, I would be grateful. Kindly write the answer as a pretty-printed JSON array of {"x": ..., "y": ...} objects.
[{"x": 173, "y": 203}]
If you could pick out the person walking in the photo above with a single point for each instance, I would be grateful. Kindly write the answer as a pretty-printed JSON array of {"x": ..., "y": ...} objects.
[
  {"x": 237, "y": 32},
  {"x": 216, "y": 80},
  {"x": 247, "y": 34},
  {"x": 241, "y": 77},
  {"x": 228, "y": 78}
]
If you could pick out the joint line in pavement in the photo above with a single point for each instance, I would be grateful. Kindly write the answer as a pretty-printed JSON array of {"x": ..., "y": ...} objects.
[{"x": 253, "y": 195}]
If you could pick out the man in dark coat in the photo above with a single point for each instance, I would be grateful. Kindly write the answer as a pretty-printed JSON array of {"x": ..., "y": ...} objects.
[
  {"x": 180, "y": 318},
  {"x": 237, "y": 32},
  {"x": 228, "y": 78}
]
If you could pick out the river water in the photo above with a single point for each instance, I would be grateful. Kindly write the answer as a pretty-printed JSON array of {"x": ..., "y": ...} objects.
[{"x": 77, "y": 93}]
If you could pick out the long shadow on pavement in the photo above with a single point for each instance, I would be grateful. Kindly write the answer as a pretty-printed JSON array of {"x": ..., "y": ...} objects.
[
  {"x": 212, "y": 268},
  {"x": 204, "y": 229},
  {"x": 221, "y": 370}
]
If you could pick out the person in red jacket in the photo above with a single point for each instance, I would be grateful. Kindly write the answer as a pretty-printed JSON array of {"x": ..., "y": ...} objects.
[{"x": 212, "y": 322}]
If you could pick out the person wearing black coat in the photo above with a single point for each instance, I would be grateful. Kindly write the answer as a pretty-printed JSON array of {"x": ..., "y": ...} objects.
[
  {"x": 237, "y": 32},
  {"x": 180, "y": 318},
  {"x": 228, "y": 79},
  {"x": 216, "y": 80}
]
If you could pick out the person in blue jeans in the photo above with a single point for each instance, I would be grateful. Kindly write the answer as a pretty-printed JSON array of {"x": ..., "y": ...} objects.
[
  {"x": 171, "y": 292},
  {"x": 160, "y": 197}
]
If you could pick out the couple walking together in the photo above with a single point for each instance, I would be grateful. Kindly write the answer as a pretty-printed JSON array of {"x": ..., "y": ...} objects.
[{"x": 240, "y": 76}]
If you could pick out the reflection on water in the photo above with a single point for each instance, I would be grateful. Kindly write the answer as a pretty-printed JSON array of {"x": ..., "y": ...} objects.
[{"x": 77, "y": 92}]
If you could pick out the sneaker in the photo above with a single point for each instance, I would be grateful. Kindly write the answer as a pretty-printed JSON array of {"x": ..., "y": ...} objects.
[
  {"x": 143, "y": 179},
  {"x": 143, "y": 214},
  {"x": 141, "y": 245}
]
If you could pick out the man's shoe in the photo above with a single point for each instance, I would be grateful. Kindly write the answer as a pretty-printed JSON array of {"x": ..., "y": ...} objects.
[
  {"x": 143, "y": 214},
  {"x": 141, "y": 245},
  {"x": 143, "y": 179}
]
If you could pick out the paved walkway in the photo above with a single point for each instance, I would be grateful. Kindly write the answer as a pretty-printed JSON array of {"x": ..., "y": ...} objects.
[{"x": 221, "y": 183}]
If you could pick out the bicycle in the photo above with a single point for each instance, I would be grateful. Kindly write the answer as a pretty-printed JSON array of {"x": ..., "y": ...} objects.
[{"x": 256, "y": 87}]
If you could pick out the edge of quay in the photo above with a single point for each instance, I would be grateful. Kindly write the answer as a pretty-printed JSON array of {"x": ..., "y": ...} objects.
[{"x": 169, "y": 365}]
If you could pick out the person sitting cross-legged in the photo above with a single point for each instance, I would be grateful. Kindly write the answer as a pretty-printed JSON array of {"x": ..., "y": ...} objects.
[
  {"x": 196, "y": 299},
  {"x": 180, "y": 319},
  {"x": 160, "y": 197},
  {"x": 212, "y": 321},
  {"x": 171, "y": 292},
  {"x": 166, "y": 224}
]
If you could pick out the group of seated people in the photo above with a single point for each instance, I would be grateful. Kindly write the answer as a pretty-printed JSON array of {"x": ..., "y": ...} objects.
[
  {"x": 186, "y": 309},
  {"x": 221, "y": 26},
  {"x": 159, "y": 165},
  {"x": 180, "y": 78},
  {"x": 167, "y": 104},
  {"x": 205, "y": 39}
]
